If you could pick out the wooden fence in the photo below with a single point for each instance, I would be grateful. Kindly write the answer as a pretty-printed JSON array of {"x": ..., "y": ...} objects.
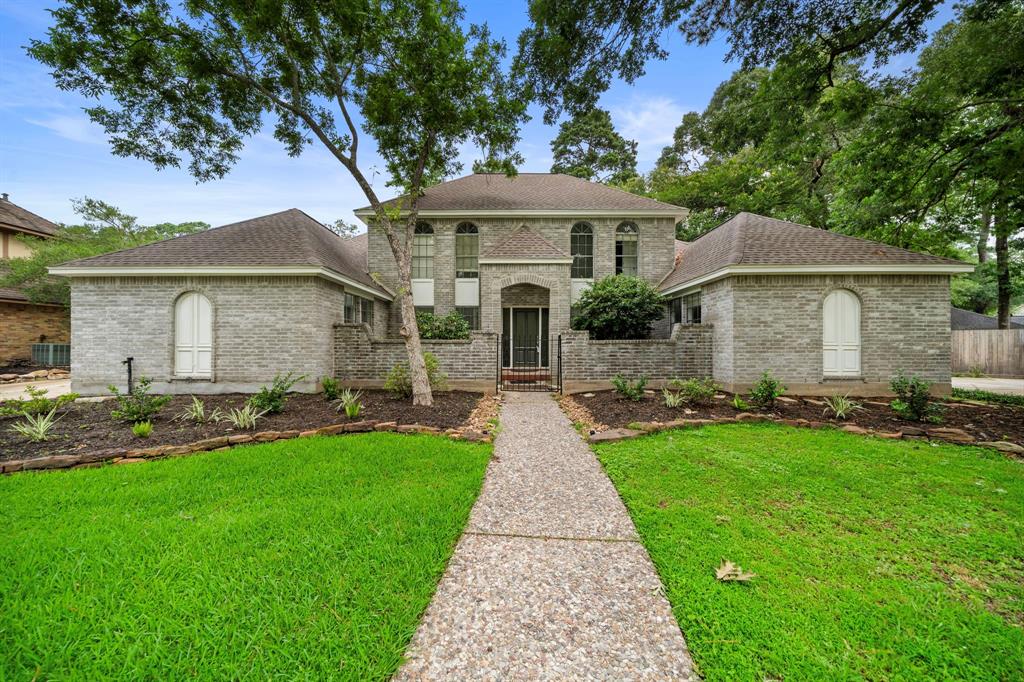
[{"x": 995, "y": 352}]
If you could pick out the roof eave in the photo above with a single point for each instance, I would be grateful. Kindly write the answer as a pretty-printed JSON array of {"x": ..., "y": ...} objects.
[
  {"x": 498, "y": 260},
  {"x": 217, "y": 271},
  {"x": 810, "y": 269},
  {"x": 675, "y": 213}
]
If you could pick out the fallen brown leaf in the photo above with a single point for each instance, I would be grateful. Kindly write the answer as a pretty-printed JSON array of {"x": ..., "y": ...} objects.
[{"x": 730, "y": 572}]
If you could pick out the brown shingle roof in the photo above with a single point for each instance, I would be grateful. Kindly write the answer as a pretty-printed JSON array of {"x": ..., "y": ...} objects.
[
  {"x": 287, "y": 238},
  {"x": 14, "y": 217},
  {"x": 531, "y": 191},
  {"x": 525, "y": 244},
  {"x": 750, "y": 239},
  {"x": 12, "y": 295}
]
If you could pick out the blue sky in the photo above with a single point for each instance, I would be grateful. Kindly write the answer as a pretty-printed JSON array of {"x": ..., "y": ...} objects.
[{"x": 50, "y": 152}]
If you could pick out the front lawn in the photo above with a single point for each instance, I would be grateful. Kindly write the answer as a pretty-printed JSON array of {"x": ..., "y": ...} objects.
[
  {"x": 875, "y": 559},
  {"x": 302, "y": 559}
]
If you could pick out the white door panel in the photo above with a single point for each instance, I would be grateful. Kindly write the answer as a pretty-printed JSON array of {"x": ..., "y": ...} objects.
[
  {"x": 193, "y": 336},
  {"x": 841, "y": 334}
]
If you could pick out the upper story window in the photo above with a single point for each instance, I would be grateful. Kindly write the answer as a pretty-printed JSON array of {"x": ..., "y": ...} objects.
[
  {"x": 467, "y": 251},
  {"x": 581, "y": 246},
  {"x": 627, "y": 249},
  {"x": 423, "y": 252}
]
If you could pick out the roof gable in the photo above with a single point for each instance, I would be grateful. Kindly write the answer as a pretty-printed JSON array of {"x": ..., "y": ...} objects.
[
  {"x": 525, "y": 244},
  {"x": 536, "y": 192},
  {"x": 749, "y": 239}
]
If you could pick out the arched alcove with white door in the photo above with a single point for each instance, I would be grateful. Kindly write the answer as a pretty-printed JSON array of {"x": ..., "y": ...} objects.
[
  {"x": 841, "y": 334},
  {"x": 193, "y": 336}
]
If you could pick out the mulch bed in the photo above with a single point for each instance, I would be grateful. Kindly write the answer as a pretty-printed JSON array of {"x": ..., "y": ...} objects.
[
  {"x": 88, "y": 426},
  {"x": 983, "y": 422}
]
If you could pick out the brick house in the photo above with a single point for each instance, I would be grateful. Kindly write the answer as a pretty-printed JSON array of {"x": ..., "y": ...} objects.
[
  {"x": 226, "y": 309},
  {"x": 24, "y": 322}
]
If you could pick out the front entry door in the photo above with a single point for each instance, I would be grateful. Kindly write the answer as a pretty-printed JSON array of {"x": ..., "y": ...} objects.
[{"x": 525, "y": 337}]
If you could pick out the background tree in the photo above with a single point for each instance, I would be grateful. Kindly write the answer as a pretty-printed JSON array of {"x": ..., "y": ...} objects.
[
  {"x": 587, "y": 146},
  {"x": 342, "y": 228},
  {"x": 196, "y": 79},
  {"x": 104, "y": 229}
]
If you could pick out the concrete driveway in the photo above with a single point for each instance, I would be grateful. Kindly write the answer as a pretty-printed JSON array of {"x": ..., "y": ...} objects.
[
  {"x": 1010, "y": 386},
  {"x": 54, "y": 388}
]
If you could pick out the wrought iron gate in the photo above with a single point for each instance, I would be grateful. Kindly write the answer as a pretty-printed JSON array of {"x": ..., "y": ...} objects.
[{"x": 529, "y": 365}]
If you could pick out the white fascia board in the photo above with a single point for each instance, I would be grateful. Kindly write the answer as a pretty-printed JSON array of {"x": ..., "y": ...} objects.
[
  {"x": 526, "y": 261},
  {"x": 677, "y": 215},
  {"x": 897, "y": 269},
  {"x": 217, "y": 271}
]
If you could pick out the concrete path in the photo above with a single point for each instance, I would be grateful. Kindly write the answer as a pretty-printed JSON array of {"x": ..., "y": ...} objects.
[
  {"x": 1011, "y": 386},
  {"x": 549, "y": 580},
  {"x": 54, "y": 388}
]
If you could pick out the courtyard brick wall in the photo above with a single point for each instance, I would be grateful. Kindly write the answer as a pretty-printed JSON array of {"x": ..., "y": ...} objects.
[
  {"x": 360, "y": 360},
  {"x": 22, "y": 324}
]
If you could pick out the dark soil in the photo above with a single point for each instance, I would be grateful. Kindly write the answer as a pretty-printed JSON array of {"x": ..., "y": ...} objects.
[
  {"x": 984, "y": 422},
  {"x": 88, "y": 426}
]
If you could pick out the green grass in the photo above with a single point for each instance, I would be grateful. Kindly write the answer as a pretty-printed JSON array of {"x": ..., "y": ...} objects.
[
  {"x": 301, "y": 559},
  {"x": 989, "y": 397},
  {"x": 876, "y": 559}
]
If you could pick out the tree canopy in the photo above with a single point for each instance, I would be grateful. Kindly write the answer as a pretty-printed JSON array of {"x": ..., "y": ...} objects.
[
  {"x": 189, "y": 82},
  {"x": 588, "y": 146}
]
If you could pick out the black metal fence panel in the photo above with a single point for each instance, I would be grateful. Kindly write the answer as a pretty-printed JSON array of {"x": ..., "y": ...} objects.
[{"x": 533, "y": 364}]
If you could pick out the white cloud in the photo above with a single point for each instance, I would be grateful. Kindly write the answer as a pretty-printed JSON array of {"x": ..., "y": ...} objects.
[
  {"x": 74, "y": 128},
  {"x": 650, "y": 120}
]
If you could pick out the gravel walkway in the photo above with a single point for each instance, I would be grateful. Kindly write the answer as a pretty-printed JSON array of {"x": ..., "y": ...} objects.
[{"x": 549, "y": 581}]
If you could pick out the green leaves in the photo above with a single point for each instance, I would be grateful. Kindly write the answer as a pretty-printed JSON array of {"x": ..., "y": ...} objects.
[
  {"x": 618, "y": 307},
  {"x": 588, "y": 147}
]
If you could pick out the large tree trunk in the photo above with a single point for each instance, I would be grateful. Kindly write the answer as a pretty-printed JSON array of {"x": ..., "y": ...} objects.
[
  {"x": 1003, "y": 230},
  {"x": 983, "y": 232},
  {"x": 410, "y": 331}
]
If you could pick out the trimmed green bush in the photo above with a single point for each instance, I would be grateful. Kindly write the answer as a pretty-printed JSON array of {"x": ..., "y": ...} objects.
[
  {"x": 137, "y": 405},
  {"x": 618, "y": 307},
  {"x": 399, "y": 384},
  {"x": 766, "y": 391},
  {"x": 631, "y": 390},
  {"x": 697, "y": 392},
  {"x": 914, "y": 400},
  {"x": 450, "y": 326},
  {"x": 271, "y": 398}
]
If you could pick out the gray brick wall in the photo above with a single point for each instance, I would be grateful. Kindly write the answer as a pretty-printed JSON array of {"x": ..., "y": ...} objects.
[
  {"x": 261, "y": 326},
  {"x": 775, "y": 323}
]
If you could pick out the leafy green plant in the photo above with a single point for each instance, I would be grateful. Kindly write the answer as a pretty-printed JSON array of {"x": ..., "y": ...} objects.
[
  {"x": 36, "y": 403},
  {"x": 352, "y": 409},
  {"x": 398, "y": 383},
  {"x": 36, "y": 427},
  {"x": 450, "y": 326},
  {"x": 672, "y": 399},
  {"x": 137, "y": 405},
  {"x": 244, "y": 418},
  {"x": 271, "y": 399},
  {"x": 739, "y": 403},
  {"x": 618, "y": 307},
  {"x": 766, "y": 391},
  {"x": 348, "y": 401},
  {"x": 332, "y": 388},
  {"x": 914, "y": 400},
  {"x": 630, "y": 390},
  {"x": 976, "y": 372},
  {"x": 989, "y": 397},
  {"x": 196, "y": 412},
  {"x": 841, "y": 406},
  {"x": 142, "y": 429},
  {"x": 697, "y": 392}
]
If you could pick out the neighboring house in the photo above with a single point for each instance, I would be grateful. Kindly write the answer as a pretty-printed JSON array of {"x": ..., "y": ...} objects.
[
  {"x": 226, "y": 309},
  {"x": 968, "y": 319},
  {"x": 23, "y": 323}
]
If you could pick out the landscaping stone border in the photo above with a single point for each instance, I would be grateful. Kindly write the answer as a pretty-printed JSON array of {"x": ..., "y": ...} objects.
[
  {"x": 939, "y": 433},
  {"x": 37, "y": 375},
  {"x": 132, "y": 455}
]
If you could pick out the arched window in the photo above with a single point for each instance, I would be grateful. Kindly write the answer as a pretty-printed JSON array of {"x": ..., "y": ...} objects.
[
  {"x": 841, "y": 334},
  {"x": 627, "y": 249},
  {"x": 423, "y": 252},
  {"x": 193, "y": 335},
  {"x": 581, "y": 246},
  {"x": 467, "y": 251}
]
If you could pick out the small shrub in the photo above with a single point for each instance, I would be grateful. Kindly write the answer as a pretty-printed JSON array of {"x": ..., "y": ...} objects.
[
  {"x": 698, "y": 392},
  {"x": 618, "y": 307},
  {"x": 36, "y": 427},
  {"x": 766, "y": 391},
  {"x": 348, "y": 400},
  {"x": 137, "y": 405},
  {"x": 914, "y": 400},
  {"x": 36, "y": 403},
  {"x": 841, "y": 406},
  {"x": 352, "y": 409},
  {"x": 142, "y": 429},
  {"x": 271, "y": 398},
  {"x": 196, "y": 413},
  {"x": 989, "y": 397},
  {"x": 332, "y": 388},
  {"x": 630, "y": 390},
  {"x": 244, "y": 418},
  {"x": 739, "y": 403},
  {"x": 450, "y": 326},
  {"x": 399, "y": 384},
  {"x": 671, "y": 399},
  {"x": 976, "y": 372}
]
